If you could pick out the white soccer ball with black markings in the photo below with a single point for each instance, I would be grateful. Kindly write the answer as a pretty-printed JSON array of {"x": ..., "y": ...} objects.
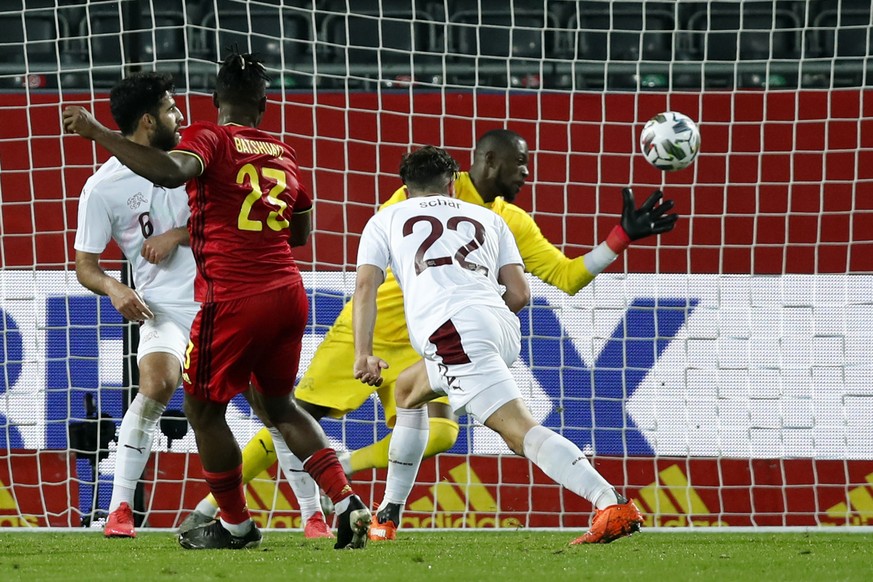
[{"x": 670, "y": 141}]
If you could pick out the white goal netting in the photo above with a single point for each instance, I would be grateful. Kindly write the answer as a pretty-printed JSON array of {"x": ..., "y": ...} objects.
[{"x": 721, "y": 375}]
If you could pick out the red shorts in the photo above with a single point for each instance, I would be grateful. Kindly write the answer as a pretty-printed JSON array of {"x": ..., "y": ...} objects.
[{"x": 253, "y": 338}]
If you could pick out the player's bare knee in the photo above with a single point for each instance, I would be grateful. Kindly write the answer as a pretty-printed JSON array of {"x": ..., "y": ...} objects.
[
  {"x": 159, "y": 389},
  {"x": 514, "y": 442}
]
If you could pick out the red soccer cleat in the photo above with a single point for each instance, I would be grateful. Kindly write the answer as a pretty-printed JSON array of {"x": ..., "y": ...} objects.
[
  {"x": 316, "y": 527},
  {"x": 611, "y": 523},
  {"x": 120, "y": 523}
]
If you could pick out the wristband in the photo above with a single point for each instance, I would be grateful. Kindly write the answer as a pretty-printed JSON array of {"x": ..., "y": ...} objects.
[
  {"x": 599, "y": 259},
  {"x": 618, "y": 239}
]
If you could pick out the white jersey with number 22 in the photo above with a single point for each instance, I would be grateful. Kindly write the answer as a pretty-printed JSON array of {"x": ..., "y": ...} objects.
[{"x": 445, "y": 253}]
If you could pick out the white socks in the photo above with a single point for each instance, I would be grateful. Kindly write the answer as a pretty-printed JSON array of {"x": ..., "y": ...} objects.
[
  {"x": 566, "y": 464},
  {"x": 238, "y": 529},
  {"x": 134, "y": 446},
  {"x": 304, "y": 486},
  {"x": 206, "y": 508},
  {"x": 405, "y": 451}
]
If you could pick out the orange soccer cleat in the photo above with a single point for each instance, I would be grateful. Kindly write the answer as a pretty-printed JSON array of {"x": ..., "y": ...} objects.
[
  {"x": 611, "y": 523},
  {"x": 316, "y": 527},
  {"x": 120, "y": 523},
  {"x": 382, "y": 532}
]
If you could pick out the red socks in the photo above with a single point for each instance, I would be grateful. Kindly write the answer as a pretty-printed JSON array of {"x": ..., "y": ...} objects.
[
  {"x": 328, "y": 473},
  {"x": 228, "y": 491}
]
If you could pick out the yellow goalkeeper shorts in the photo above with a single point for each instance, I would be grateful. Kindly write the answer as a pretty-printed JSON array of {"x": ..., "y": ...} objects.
[{"x": 329, "y": 381}]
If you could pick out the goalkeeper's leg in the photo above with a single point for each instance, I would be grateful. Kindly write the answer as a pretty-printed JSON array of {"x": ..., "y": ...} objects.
[{"x": 442, "y": 434}]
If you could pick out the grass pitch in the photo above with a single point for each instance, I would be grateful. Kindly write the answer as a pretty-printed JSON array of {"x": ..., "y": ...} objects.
[{"x": 525, "y": 556}]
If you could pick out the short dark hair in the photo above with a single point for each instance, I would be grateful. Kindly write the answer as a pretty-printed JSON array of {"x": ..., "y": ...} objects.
[
  {"x": 497, "y": 139},
  {"x": 136, "y": 95},
  {"x": 242, "y": 79},
  {"x": 429, "y": 168}
]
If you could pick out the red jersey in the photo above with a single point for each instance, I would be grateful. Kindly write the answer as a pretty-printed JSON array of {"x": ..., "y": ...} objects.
[{"x": 240, "y": 209}]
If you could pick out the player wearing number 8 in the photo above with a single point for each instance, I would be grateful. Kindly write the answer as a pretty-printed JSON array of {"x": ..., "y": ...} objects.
[
  {"x": 247, "y": 209},
  {"x": 148, "y": 223}
]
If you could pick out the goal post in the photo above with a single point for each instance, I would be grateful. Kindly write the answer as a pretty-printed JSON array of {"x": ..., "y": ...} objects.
[{"x": 719, "y": 375}]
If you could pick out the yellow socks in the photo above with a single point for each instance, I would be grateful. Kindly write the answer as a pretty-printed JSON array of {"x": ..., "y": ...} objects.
[{"x": 443, "y": 434}]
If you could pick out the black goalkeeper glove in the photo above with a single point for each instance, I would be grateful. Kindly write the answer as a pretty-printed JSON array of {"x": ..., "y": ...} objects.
[{"x": 650, "y": 218}]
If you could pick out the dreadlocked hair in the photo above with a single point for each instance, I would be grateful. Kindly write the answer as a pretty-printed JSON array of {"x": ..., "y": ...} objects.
[{"x": 242, "y": 78}]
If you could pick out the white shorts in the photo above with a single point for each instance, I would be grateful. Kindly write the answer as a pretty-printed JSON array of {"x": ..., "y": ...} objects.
[
  {"x": 468, "y": 360},
  {"x": 167, "y": 332}
]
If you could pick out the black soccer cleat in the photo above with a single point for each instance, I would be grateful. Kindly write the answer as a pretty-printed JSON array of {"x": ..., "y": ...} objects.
[
  {"x": 215, "y": 537},
  {"x": 353, "y": 525},
  {"x": 195, "y": 519}
]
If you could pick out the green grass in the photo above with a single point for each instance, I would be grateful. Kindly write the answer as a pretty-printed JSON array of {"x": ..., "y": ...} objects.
[{"x": 525, "y": 556}]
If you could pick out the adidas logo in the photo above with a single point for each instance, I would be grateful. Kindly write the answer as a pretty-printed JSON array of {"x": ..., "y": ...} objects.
[
  {"x": 463, "y": 501},
  {"x": 9, "y": 514},
  {"x": 670, "y": 500},
  {"x": 859, "y": 509}
]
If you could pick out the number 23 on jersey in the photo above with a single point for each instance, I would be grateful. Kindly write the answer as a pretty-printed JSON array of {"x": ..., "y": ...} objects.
[{"x": 275, "y": 220}]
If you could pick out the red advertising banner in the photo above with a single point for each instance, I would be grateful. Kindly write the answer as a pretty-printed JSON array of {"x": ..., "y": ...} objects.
[
  {"x": 36, "y": 489},
  {"x": 457, "y": 491}
]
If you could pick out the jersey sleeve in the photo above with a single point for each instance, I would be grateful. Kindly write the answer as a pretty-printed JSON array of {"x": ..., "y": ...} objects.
[
  {"x": 95, "y": 224},
  {"x": 541, "y": 258},
  {"x": 303, "y": 201},
  {"x": 374, "y": 248},
  {"x": 201, "y": 141}
]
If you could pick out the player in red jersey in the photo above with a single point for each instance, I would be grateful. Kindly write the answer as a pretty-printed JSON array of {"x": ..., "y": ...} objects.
[{"x": 247, "y": 209}]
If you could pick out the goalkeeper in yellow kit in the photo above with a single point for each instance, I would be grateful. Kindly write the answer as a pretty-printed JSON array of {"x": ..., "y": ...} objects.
[{"x": 498, "y": 172}]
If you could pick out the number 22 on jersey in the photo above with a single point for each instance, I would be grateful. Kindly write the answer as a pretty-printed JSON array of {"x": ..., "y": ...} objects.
[
  {"x": 275, "y": 220},
  {"x": 436, "y": 231}
]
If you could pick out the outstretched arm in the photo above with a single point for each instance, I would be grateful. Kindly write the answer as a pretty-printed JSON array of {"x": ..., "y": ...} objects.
[
  {"x": 151, "y": 163},
  {"x": 367, "y": 368},
  {"x": 546, "y": 262}
]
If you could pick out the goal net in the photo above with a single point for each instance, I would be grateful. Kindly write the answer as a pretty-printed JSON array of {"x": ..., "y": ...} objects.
[{"x": 719, "y": 375}]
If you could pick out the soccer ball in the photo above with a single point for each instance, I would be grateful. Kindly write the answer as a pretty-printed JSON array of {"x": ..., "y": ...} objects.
[{"x": 670, "y": 141}]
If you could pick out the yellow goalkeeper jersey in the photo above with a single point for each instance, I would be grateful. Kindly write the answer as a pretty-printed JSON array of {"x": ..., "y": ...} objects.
[{"x": 541, "y": 258}]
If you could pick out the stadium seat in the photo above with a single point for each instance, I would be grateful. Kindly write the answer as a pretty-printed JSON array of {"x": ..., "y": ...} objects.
[
  {"x": 494, "y": 46},
  {"x": 391, "y": 41},
  {"x": 750, "y": 31},
  {"x": 279, "y": 36},
  {"x": 841, "y": 35},
  {"x": 843, "y": 32},
  {"x": 600, "y": 32},
  {"x": 167, "y": 25},
  {"x": 612, "y": 31},
  {"x": 727, "y": 31},
  {"x": 44, "y": 33}
]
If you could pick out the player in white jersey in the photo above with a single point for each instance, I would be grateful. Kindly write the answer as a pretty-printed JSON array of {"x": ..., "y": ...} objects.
[
  {"x": 149, "y": 224},
  {"x": 451, "y": 259}
]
